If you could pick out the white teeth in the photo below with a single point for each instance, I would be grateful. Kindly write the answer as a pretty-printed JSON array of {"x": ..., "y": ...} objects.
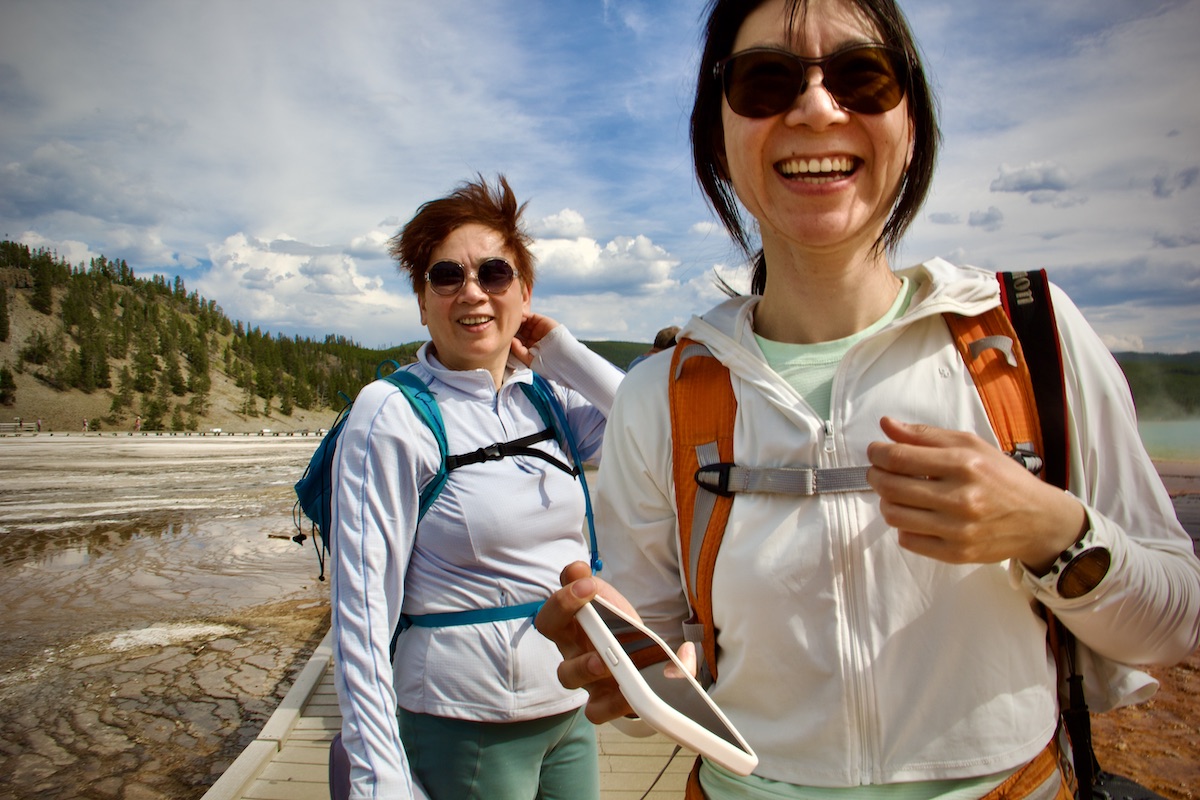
[
  {"x": 473, "y": 320},
  {"x": 816, "y": 166}
]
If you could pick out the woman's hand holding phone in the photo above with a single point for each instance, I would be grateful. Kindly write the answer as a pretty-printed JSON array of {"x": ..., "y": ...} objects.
[{"x": 582, "y": 667}]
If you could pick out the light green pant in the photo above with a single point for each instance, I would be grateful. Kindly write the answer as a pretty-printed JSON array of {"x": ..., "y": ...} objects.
[{"x": 553, "y": 758}]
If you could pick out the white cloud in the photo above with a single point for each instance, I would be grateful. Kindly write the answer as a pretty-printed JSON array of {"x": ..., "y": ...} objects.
[
  {"x": 74, "y": 253},
  {"x": 944, "y": 218},
  {"x": 626, "y": 264},
  {"x": 283, "y": 285},
  {"x": 990, "y": 220},
  {"x": 566, "y": 224},
  {"x": 1126, "y": 343},
  {"x": 1167, "y": 185},
  {"x": 709, "y": 228},
  {"x": 217, "y": 125},
  {"x": 1037, "y": 177}
]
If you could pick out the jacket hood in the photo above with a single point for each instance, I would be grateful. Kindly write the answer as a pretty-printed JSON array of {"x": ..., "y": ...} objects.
[{"x": 727, "y": 329}]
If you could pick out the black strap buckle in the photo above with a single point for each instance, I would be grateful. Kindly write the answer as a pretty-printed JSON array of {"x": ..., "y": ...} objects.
[{"x": 715, "y": 478}]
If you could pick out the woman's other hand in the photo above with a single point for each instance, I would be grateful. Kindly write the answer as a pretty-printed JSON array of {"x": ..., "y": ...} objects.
[
  {"x": 582, "y": 667},
  {"x": 956, "y": 498},
  {"x": 533, "y": 328}
]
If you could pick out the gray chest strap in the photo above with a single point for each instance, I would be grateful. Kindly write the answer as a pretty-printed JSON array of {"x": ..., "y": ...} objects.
[{"x": 728, "y": 479}]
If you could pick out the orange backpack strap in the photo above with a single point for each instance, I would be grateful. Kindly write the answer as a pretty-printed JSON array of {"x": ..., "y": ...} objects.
[
  {"x": 990, "y": 348},
  {"x": 1014, "y": 355},
  {"x": 703, "y": 410}
]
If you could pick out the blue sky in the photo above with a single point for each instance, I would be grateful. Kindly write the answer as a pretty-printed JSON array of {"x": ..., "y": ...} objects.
[{"x": 265, "y": 150}]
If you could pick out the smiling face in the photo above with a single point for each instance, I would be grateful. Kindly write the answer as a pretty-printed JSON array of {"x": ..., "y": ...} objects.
[
  {"x": 816, "y": 176},
  {"x": 473, "y": 329}
]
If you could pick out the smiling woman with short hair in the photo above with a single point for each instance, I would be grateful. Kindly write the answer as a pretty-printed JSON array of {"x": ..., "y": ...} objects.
[{"x": 469, "y": 707}]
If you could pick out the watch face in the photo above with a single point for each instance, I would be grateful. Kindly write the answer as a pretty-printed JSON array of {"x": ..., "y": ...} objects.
[{"x": 1084, "y": 572}]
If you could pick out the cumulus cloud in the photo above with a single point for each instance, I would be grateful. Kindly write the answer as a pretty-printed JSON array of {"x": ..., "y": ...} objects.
[
  {"x": 1044, "y": 176},
  {"x": 1170, "y": 185},
  {"x": 75, "y": 253},
  {"x": 629, "y": 264},
  {"x": 59, "y": 176},
  {"x": 709, "y": 228},
  {"x": 566, "y": 224},
  {"x": 1124, "y": 343},
  {"x": 248, "y": 125},
  {"x": 1057, "y": 199},
  {"x": 990, "y": 220},
  {"x": 1172, "y": 241},
  {"x": 287, "y": 284},
  {"x": 370, "y": 245}
]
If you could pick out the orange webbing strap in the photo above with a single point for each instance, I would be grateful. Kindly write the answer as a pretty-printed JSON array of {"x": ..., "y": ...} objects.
[
  {"x": 990, "y": 348},
  {"x": 703, "y": 410}
]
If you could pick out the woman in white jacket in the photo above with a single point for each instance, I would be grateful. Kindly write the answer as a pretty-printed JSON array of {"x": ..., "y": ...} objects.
[
  {"x": 467, "y": 707},
  {"x": 885, "y": 637}
]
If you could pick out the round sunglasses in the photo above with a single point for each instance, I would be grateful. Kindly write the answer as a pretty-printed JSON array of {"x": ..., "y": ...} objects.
[
  {"x": 763, "y": 81},
  {"x": 447, "y": 277}
]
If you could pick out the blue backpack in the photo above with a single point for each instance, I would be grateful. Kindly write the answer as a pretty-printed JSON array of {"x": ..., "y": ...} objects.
[{"x": 314, "y": 490}]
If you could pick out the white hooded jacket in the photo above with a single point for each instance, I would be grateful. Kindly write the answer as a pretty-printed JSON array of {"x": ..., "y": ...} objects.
[{"x": 844, "y": 659}]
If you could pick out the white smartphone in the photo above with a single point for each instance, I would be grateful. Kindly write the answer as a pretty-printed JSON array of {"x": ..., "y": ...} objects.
[{"x": 681, "y": 710}]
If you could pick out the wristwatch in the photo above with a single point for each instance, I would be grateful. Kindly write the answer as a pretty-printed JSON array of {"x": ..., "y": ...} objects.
[{"x": 1081, "y": 567}]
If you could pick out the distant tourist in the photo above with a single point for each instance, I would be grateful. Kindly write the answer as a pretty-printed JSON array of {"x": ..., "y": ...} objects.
[{"x": 665, "y": 340}]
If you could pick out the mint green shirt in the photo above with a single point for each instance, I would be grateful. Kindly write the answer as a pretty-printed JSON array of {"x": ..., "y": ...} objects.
[{"x": 809, "y": 368}]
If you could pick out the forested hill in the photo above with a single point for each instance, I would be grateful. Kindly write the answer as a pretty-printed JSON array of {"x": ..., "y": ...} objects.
[
  {"x": 98, "y": 338},
  {"x": 94, "y": 342},
  {"x": 1164, "y": 386}
]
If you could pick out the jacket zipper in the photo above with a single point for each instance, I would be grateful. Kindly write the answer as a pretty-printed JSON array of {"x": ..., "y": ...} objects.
[{"x": 855, "y": 650}]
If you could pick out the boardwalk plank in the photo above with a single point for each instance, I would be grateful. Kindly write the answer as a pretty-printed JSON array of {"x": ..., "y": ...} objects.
[{"x": 295, "y": 767}]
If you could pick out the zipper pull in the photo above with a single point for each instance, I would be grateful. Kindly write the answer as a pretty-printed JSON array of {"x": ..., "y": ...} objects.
[{"x": 828, "y": 436}]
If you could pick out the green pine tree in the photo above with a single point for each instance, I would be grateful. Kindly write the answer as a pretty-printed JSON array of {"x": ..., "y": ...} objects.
[
  {"x": 8, "y": 386},
  {"x": 4, "y": 323}
]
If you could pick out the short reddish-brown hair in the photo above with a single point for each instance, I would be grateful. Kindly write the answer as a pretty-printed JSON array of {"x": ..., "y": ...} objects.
[{"x": 494, "y": 207}]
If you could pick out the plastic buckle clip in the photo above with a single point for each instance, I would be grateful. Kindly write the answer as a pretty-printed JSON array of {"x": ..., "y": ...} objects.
[{"x": 715, "y": 478}]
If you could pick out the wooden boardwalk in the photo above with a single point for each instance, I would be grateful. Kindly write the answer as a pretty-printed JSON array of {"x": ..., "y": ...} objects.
[{"x": 289, "y": 759}]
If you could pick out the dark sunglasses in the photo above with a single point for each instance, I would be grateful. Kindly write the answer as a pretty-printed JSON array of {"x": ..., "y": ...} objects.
[
  {"x": 762, "y": 82},
  {"x": 448, "y": 277}
]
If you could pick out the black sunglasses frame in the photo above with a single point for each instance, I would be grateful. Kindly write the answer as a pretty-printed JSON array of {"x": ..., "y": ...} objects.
[
  {"x": 490, "y": 283},
  {"x": 745, "y": 101}
]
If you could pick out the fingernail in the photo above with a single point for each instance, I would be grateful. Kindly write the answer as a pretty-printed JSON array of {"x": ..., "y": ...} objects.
[{"x": 585, "y": 587}]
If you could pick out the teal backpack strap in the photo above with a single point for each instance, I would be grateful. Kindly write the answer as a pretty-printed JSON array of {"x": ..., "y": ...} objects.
[
  {"x": 478, "y": 616},
  {"x": 425, "y": 405},
  {"x": 541, "y": 394}
]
